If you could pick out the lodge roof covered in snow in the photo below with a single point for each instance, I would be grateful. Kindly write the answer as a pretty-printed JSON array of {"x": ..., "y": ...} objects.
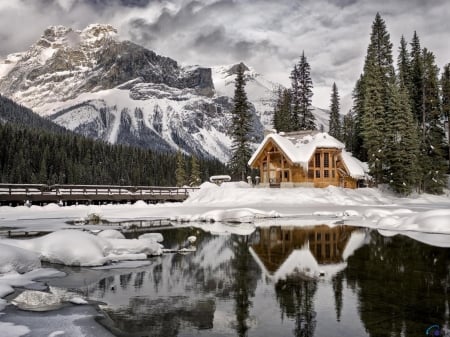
[{"x": 299, "y": 147}]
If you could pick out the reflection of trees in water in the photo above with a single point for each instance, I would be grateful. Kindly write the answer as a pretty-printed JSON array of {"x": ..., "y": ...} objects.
[
  {"x": 181, "y": 290},
  {"x": 245, "y": 275},
  {"x": 163, "y": 317},
  {"x": 402, "y": 285},
  {"x": 337, "y": 282},
  {"x": 296, "y": 299}
]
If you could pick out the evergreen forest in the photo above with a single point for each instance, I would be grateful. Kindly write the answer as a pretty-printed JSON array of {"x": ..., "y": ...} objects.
[
  {"x": 397, "y": 122},
  {"x": 35, "y": 150}
]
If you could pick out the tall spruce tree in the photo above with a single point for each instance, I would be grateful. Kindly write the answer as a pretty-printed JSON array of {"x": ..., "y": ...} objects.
[
  {"x": 378, "y": 75},
  {"x": 432, "y": 147},
  {"x": 358, "y": 149},
  {"x": 404, "y": 65},
  {"x": 240, "y": 129},
  {"x": 401, "y": 158},
  {"x": 295, "y": 99},
  {"x": 180, "y": 171},
  {"x": 445, "y": 85},
  {"x": 348, "y": 131},
  {"x": 416, "y": 78},
  {"x": 194, "y": 178},
  {"x": 335, "y": 122},
  {"x": 305, "y": 86}
]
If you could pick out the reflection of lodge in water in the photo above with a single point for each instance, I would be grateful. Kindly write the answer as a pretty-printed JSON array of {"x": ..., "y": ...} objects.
[{"x": 276, "y": 244}]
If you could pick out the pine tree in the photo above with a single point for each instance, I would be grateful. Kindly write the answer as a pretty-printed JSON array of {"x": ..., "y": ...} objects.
[
  {"x": 295, "y": 99},
  {"x": 445, "y": 85},
  {"x": 404, "y": 65},
  {"x": 432, "y": 147},
  {"x": 403, "y": 150},
  {"x": 358, "y": 149},
  {"x": 241, "y": 127},
  {"x": 335, "y": 123},
  {"x": 416, "y": 77},
  {"x": 194, "y": 179},
  {"x": 348, "y": 131},
  {"x": 378, "y": 76},
  {"x": 276, "y": 121},
  {"x": 180, "y": 171},
  {"x": 305, "y": 86}
]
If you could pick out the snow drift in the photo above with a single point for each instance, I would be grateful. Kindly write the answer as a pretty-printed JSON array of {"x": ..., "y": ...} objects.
[{"x": 77, "y": 248}]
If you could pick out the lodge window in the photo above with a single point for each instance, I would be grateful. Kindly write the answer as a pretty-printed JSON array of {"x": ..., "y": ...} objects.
[
  {"x": 319, "y": 236},
  {"x": 286, "y": 174},
  {"x": 326, "y": 160},
  {"x": 317, "y": 174},
  {"x": 327, "y": 237},
  {"x": 317, "y": 159},
  {"x": 333, "y": 161},
  {"x": 326, "y": 173}
]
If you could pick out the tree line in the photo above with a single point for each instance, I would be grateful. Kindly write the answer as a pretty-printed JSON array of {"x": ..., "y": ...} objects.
[
  {"x": 30, "y": 153},
  {"x": 396, "y": 123}
]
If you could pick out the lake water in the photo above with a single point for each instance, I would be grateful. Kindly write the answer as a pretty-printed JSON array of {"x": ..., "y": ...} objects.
[{"x": 278, "y": 281}]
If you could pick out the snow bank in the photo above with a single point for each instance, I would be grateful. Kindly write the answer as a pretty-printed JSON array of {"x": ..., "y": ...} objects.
[
  {"x": 77, "y": 248},
  {"x": 227, "y": 196},
  {"x": 111, "y": 234},
  {"x": 236, "y": 215},
  {"x": 17, "y": 259},
  {"x": 434, "y": 221}
]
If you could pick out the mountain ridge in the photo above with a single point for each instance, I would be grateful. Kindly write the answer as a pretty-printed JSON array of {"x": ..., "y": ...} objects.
[{"x": 91, "y": 82}]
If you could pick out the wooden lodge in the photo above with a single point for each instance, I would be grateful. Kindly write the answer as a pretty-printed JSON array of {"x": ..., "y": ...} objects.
[{"x": 306, "y": 158}]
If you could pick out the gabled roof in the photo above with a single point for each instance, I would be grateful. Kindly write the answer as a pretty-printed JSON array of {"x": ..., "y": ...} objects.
[{"x": 300, "y": 146}]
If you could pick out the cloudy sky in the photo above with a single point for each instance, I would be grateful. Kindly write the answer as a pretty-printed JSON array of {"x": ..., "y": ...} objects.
[{"x": 266, "y": 34}]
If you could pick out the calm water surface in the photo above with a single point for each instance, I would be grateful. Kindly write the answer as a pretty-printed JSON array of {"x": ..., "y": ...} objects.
[{"x": 266, "y": 284}]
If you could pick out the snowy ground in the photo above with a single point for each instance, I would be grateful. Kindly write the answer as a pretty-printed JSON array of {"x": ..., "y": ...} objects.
[
  {"x": 232, "y": 208},
  {"x": 237, "y": 202}
]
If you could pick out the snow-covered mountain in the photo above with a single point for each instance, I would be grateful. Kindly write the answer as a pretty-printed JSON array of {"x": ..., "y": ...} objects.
[{"x": 95, "y": 84}]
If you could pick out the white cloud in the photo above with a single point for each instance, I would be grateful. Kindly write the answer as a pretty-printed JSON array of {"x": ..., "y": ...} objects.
[{"x": 268, "y": 35}]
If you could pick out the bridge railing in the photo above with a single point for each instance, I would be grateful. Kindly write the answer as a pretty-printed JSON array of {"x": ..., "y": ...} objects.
[{"x": 58, "y": 189}]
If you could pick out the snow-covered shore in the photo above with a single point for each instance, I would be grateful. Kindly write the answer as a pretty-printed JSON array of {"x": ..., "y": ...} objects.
[
  {"x": 235, "y": 208},
  {"x": 238, "y": 202}
]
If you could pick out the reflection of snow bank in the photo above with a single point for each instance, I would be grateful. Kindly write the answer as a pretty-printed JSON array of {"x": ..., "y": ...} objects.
[
  {"x": 76, "y": 248},
  {"x": 220, "y": 228},
  {"x": 235, "y": 215}
]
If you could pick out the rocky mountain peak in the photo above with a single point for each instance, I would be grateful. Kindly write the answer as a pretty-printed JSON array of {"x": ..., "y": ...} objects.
[
  {"x": 234, "y": 68},
  {"x": 65, "y": 63}
]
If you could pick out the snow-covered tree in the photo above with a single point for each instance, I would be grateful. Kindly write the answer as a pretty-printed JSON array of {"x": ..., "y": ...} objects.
[
  {"x": 180, "y": 170},
  {"x": 401, "y": 157},
  {"x": 335, "y": 122},
  {"x": 194, "y": 178},
  {"x": 240, "y": 129},
  {"x": 445, "y": 85},
  {"x": 304, "y": 94}
]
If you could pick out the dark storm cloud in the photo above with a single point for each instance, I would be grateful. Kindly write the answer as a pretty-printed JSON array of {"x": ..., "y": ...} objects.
[{"x": 268, "y": 35}]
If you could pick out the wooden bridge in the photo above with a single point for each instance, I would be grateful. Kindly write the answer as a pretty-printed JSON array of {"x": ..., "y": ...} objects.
[{"x": 19, "y": 194}]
